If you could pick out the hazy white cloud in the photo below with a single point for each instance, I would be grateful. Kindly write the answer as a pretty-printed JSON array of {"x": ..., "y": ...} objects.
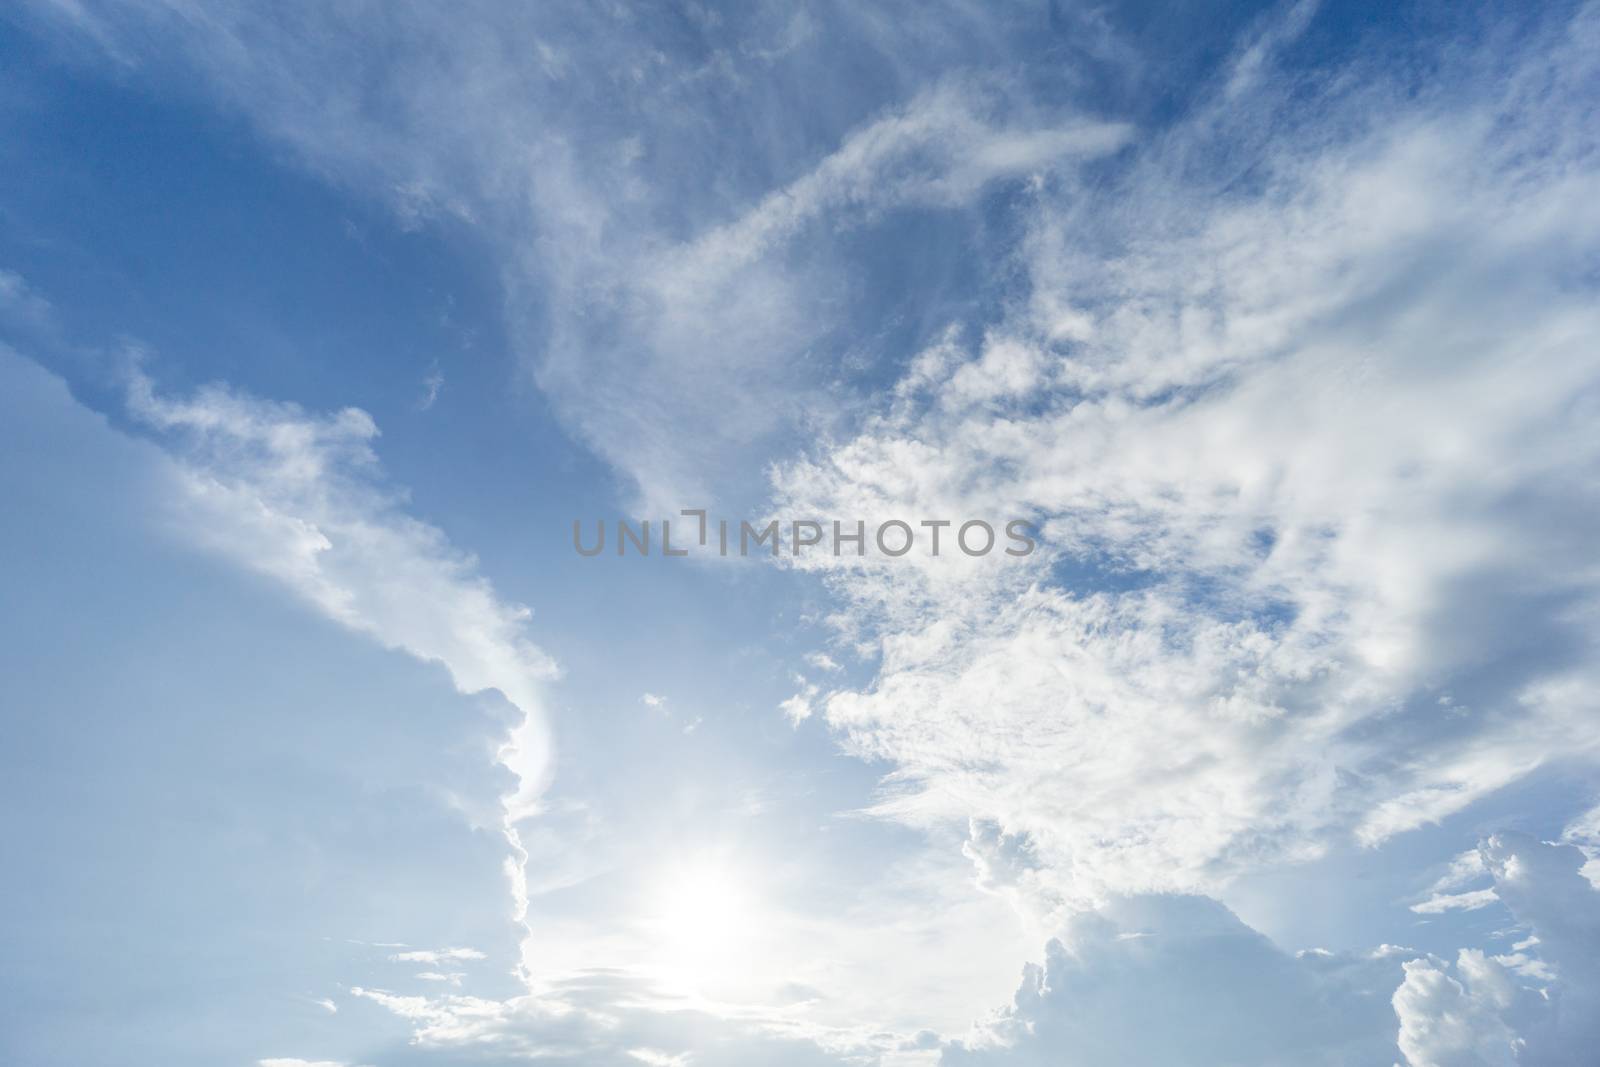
[
  {"x": 432, "y": 383},
  {"x": 939, "y": 149},
  {"x": 22, "y": 307}
]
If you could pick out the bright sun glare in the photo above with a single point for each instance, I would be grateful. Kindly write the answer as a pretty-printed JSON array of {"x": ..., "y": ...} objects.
[{"x": 702, "y": 921}]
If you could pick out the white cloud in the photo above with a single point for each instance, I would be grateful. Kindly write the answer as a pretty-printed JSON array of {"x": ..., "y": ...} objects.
[
  {"x": 1163, "y": 980},
  {"x": 1008, "y": 865},
  {"x": 1449, "y": 1023},
  {"x": 718, "y": 327},
  {"x": 300, "y": 498},
  {"x": 453, "y": 978},
  {"x": 22, "y": 307},
  {"x": 1538, "y": 1004},
  {"x": 799, "y": 707},
  {"x": 1166, "y": 979},
  {"x": 1307, "y": 446},
  {"x": 602, "y": 1018},
  {"x": 437, "y": 955},
  {"x": 1465, "y": 868},
  {"x": 432, "y": 383},
  {"x": 1584, "y": 833},
  {"x": 940, "y": 148},
  {"x": 1440, "y": 903},
  {"x": 655, "y": 1058},
  {"x": 681, "y": 325},
  {"x": 822, "y": 661}
]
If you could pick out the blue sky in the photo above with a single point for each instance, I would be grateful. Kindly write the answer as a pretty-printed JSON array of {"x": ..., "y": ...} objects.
[{"x": 321, "y": 324}]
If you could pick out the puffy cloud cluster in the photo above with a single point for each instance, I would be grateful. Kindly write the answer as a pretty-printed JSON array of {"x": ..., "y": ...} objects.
[
  {"x": 1177, "y": 980},
  {"x": 1540, "y": 1003},
  {"x": 1445, "y": 1021}
]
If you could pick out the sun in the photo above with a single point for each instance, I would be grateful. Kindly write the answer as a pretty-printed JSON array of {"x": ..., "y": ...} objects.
[{"x": 703, "y": 913}]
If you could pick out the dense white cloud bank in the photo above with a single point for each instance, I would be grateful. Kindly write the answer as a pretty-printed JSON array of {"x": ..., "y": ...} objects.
[{"x": 1304, "y": 402}]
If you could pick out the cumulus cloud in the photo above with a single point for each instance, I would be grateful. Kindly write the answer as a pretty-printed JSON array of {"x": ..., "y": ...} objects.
[
  {"x": 1176, "y": 979},
  {"x": 1173, "y": 979},
  {"x": 1539, "y": 1004},
  {"x": 1446, "y": 1022}
]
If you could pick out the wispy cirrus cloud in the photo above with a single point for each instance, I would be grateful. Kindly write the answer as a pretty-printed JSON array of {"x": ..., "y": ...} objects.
[
  {"x": 687, "y": 328},
  {"x": 301, "y": 499}
]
